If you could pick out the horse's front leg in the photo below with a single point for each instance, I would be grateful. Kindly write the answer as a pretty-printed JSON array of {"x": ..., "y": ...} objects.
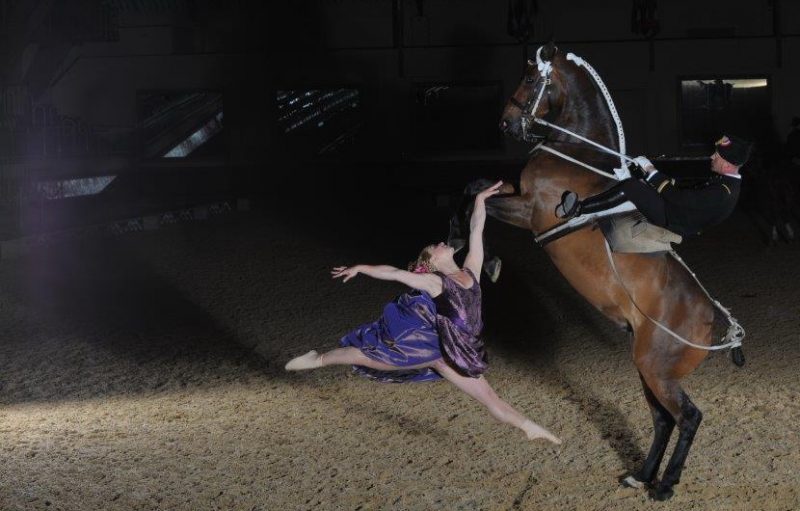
[
  {"x": 512, "y": 209},
  {"x": 506, "y": 207},
  {"x": 459, "y": 221}
]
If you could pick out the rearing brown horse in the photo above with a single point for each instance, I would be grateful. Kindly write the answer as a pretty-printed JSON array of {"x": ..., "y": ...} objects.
[{"x": 659, "y": 285}]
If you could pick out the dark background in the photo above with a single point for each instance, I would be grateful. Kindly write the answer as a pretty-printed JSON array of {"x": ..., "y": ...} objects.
[
  {"x": 402, "y": 94},
  {"x": 145, "y": 370}
]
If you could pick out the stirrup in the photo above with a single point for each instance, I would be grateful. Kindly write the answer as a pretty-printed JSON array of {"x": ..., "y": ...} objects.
[{"x": 568, "y": 207}]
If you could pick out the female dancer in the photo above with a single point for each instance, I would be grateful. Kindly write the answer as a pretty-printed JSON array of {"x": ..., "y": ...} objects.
[{"x": 431, "y": 333}]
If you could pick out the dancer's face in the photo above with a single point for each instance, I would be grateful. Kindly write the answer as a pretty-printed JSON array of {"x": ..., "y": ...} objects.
[{"x": 440, "y": 253}]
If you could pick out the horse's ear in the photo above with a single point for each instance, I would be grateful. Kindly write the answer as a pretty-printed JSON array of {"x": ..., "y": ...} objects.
[{"x": 549, "y": 50}]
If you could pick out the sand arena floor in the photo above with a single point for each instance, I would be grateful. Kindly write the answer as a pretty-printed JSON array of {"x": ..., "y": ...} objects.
[{"x": 145, "y": 373}]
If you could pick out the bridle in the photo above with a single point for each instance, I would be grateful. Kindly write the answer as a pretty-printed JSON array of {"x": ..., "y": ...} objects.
[{"x": 531, "y": 106}]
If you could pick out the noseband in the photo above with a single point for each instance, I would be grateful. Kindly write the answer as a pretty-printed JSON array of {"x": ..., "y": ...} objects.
[{"x": 529, "y": 108}]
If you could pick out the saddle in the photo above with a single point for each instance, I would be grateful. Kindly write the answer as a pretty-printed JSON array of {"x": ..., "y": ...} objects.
[{"x": 632, "y": 233}]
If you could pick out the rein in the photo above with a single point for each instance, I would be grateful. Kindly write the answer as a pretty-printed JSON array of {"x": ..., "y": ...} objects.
[
  {"x": 735, "y": 333},
  {"x": 530, "y": 108}
]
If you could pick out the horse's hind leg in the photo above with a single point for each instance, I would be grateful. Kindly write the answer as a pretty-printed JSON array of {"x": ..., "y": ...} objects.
[
  {"x": 663, "y": 424},
  {"x": 688, "y": 417},
  {"x": 689, "y": 422}
]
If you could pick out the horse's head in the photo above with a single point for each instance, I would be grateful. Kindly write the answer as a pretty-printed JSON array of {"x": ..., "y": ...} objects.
[{"x": 541, "y": 94}]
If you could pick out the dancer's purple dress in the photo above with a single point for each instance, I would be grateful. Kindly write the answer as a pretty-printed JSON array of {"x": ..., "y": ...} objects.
[
  {"x": 405, "y": 335},
  {"x": 459, "y": 324},
  {"x": 415, "y": 329}
]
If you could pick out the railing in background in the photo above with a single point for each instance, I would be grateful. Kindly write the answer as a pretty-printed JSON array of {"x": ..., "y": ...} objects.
[
  {"x": 39, "y": 148},
  {"x": 30, "y": 131}
]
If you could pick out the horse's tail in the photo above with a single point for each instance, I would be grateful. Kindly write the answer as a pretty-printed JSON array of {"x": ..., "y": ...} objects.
[
  {"x": 734, "y": 335},
  {"x": 723, "y": 322}
]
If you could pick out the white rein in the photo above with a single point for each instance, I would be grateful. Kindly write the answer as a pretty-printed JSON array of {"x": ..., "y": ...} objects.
[{"x": 545, "y": 69}]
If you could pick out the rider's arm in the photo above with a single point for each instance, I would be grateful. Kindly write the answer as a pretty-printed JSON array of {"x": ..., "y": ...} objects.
[
  {"x": 659, "y": 181},
  {"x": 709, "y": 196},
  {"x": 652, "y": 175}
]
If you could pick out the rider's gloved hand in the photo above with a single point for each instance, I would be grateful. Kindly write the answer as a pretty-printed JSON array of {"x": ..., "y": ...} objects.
[{"x": 645, "y": 164}]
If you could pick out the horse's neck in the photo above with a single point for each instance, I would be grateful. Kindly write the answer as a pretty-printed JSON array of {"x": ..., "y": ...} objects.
[
  {"x": 585, "y": 112},
  {"x": 551, "y": 176},
  {"x": 589, "y": 117}
]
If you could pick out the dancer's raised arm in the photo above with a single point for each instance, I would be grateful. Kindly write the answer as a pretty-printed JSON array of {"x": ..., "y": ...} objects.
[
  {"x": 474, "y": 259},
  {"x": 422, "y": 281}
]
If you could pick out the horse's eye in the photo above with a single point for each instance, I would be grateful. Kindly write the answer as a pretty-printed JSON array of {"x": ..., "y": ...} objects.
[{"x": 529, "y": 79}]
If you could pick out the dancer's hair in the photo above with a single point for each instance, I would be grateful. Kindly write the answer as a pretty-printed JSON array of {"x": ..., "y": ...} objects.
[{"x": 423, "y": 263}]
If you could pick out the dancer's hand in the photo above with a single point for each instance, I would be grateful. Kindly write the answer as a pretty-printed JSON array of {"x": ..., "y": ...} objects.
[
  {"x": 344, "y": 271},
  {"x": 474, "y": 259},
  {"x": 485, "y": 194}
]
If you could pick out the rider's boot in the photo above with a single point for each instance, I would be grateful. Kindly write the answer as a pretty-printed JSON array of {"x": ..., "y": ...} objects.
[{"x": 570, "y": 206}]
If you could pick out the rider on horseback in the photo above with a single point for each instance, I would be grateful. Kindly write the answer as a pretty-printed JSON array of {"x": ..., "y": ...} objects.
[{"x": 685, "y": 211}]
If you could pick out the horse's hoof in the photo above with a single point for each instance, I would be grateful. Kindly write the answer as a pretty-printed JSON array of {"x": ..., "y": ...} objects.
[
  {"x": 492, "y": 268},
  {"x": 507, "y": 189},
  {"x": 632, "y": 482},
  {"x": 662, "y": 493},
  {"x": 788, "y": 231}
]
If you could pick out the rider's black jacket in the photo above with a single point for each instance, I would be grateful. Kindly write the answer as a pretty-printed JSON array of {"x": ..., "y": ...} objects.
[{"x": 690, "y": 211}]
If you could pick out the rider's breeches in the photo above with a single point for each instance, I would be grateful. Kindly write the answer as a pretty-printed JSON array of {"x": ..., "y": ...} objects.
[{"x": 646, "y": 199}]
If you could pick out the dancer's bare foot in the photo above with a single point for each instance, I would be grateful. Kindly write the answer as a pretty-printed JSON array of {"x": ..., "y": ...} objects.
[
  {"x": 534, "y": 431},
  {"x": 310, "y": 360}
]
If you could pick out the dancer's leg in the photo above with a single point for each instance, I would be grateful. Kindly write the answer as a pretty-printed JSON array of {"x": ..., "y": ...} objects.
[
  {"x": 479, "y": 389},
  {"x": 344, "y": 356}
]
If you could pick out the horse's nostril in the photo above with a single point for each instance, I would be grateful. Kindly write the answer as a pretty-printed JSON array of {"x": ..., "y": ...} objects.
[{"x": 504, "y": 125}]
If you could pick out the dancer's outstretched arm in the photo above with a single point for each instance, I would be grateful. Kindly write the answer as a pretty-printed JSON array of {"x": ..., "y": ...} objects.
[
  {"x": 474, "y": 259},
  {"x": 427, "y": 282},
  {"x": 432, "y": 284}
]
